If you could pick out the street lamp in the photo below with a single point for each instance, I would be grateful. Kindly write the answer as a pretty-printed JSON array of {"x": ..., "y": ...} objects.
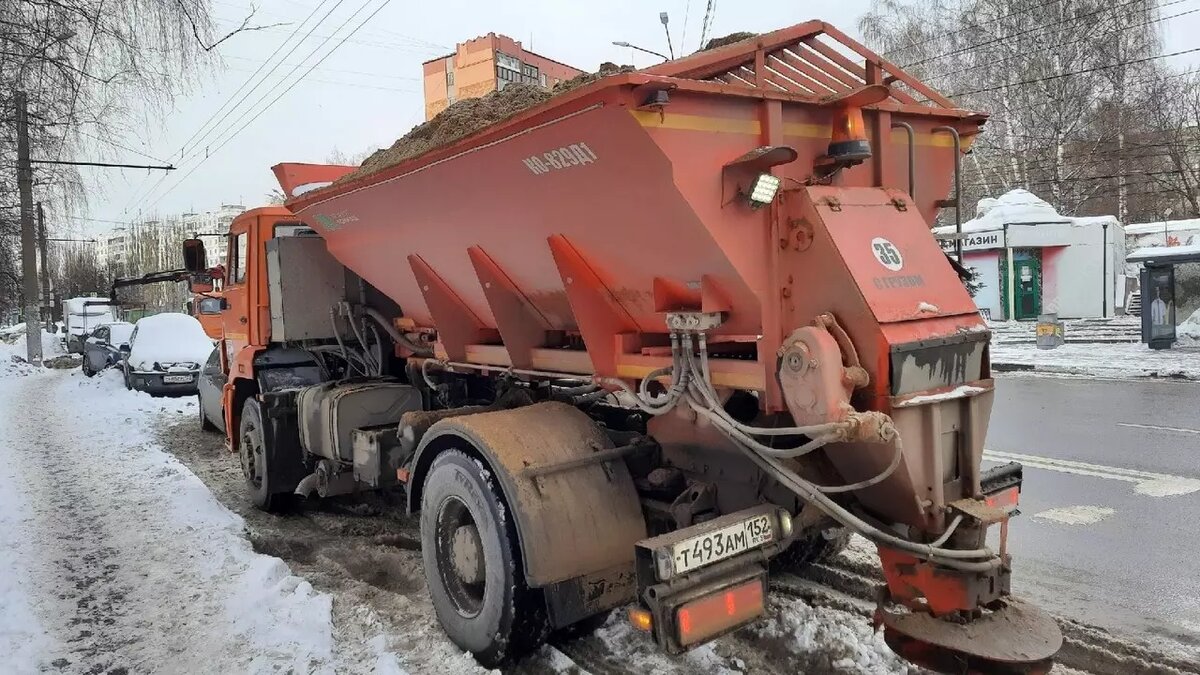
[
  {"x": 640, "y": 49},
  {"x": 662, "y": 16}
]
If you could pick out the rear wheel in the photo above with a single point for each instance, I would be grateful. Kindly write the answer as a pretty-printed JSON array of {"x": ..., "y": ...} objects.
[
  {"x": 253, "y": 453},
  {"x": 473, "y": 566}
]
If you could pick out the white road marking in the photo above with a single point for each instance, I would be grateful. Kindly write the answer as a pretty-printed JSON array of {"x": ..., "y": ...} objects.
[
  {"x": 1144, "y": 482},
  {"x": 1075, "y": 515},
  {"x": 1181, "y": 430}
]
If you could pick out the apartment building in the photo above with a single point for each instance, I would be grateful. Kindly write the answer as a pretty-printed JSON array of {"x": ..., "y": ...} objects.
[{"x": 484, "y": 65}]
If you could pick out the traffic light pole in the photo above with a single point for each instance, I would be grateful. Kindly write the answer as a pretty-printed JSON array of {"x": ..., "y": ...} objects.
[{"x": 33, "y": 328}]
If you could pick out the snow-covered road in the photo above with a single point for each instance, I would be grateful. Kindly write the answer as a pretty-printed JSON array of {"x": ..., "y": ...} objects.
[{"x": 115, "y": 558}]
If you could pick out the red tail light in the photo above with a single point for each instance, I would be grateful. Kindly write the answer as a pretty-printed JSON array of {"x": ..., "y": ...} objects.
[{"x": 713, "y": 614}]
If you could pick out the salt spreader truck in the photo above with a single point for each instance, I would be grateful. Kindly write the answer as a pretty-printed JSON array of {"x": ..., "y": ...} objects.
[{"x": 631, "y": 345}]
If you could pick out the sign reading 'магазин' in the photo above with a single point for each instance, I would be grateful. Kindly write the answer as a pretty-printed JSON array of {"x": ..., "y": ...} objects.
[{"x": 975, "y": 241}]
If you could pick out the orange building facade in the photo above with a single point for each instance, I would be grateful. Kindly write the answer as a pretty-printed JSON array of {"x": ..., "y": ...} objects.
[{"x": 484, "y": 65}]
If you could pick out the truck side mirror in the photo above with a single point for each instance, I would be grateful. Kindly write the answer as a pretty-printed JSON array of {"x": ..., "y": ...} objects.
[
  {"x": 194, "y": 258},
  {"x": 124, "y": 348}
]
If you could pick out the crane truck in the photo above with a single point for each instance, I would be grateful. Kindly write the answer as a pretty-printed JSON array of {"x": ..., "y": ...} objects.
[{"x": 632, "y": 344}]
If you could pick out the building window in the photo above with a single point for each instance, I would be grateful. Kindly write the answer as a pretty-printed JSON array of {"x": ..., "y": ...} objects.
[
  {"x": 542, "y": 79},
  {"x": 449, "y": 78},
  {"x": 506, "y": 61}
]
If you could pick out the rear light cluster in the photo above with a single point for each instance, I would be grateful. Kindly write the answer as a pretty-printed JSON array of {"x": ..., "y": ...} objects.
[
  {"x": 701, "y": 619},
  {"x": 711, "y": 615}
]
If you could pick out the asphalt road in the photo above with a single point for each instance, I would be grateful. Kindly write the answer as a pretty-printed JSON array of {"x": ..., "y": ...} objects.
[{"x": 1109, "y": 530}]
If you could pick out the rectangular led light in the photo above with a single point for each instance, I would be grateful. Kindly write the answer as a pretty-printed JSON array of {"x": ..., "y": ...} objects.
[{"x": 713, "y": 614}]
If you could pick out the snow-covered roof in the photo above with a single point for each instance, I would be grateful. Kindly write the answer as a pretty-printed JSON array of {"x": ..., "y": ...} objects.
[
  {"x": 169, "y": 338},
  {"x": 1164, "y": 253},
  {"x": 1015, "y": 207},
  {"x": 1185, "y": 225},
  {"x": 79, "y": 306}
]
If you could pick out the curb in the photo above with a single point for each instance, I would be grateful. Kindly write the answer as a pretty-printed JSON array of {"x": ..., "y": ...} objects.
[{"x": 1012, "y": 367}]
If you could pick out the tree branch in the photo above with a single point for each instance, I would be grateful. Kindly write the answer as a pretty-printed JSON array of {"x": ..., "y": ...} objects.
[{"x": 244, "y": 28}]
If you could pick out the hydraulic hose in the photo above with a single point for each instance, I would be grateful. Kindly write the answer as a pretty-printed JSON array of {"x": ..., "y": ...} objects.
[
  {"x": 954, "y": 558},
  {"x": 397, "y": 336}
]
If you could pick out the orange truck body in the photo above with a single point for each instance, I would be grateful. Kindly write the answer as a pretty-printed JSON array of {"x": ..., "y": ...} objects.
[{"x": 561, "y": 241}]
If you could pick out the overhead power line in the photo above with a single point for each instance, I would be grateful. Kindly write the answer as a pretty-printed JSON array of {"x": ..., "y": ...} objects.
[
  {"x": 276, "y": 98},
  {"x": 1026, "y": 53},
  {"x": 964, "y": 29},
  {"x": 138, "y": 195},
  {"x": 1072, "y": 73},
  {"x": 233, "y": 98},
  {"x": 1034, "y": 29}
]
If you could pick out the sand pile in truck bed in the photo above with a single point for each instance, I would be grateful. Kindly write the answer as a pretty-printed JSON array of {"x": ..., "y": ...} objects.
[
  {"x": 727, "y": 40},
  {"x": 470, "y": 115}
]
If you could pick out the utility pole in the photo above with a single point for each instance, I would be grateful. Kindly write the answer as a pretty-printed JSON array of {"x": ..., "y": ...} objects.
[
  {"x": 33, "y": 329},
  {"x": 47, "y": 305}
]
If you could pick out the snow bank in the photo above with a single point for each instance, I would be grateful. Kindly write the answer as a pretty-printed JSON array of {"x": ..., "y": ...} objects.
[
  {"x": 117, "y": 558},
  {"x": 824, "y": 640},
  {"x": 1188, "y": 331},
  {"x": 1099, "y": 360},
  {"x": 12, "y": 351},
  {"x": 169, "y": 338}
]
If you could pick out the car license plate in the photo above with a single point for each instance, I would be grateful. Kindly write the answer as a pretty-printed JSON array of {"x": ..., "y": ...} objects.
[
  {"x": 726, "y": 542},
  {"x": 176, "y": 379}
]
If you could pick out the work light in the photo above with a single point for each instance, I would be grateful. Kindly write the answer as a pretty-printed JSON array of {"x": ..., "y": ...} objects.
[{"x": 763, "y": 190}]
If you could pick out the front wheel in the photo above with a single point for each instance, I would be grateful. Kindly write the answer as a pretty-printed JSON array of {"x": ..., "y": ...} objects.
[
  {"x": 87, "y": 370},
  {"x": 128, "y": 382},
  {"x": 473, "y": 566},
  {"x": 252, "y": 450}
]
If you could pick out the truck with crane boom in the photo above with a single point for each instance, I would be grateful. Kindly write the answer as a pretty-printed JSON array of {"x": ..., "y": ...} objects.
[{"x": 627, "y": 346}]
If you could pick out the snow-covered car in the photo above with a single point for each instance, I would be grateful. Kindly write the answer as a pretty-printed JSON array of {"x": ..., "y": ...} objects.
[
  {"x": 102, "y": 348},
  {"x": 165, "y": 354}
]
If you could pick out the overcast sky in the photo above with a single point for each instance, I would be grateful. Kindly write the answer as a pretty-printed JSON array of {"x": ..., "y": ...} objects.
[{"x": 367, "y": 93}]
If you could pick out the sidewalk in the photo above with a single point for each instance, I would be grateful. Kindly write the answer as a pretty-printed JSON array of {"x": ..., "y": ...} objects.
[{"x": 1095, "y": 347}]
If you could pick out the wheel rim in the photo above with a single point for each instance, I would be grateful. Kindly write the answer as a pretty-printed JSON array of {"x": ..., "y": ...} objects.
[
  {"x": 460, "y": 561},
  {"x": 251, "y": 453}
]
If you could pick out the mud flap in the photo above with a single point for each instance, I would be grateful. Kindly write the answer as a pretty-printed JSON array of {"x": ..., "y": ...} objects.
[
  {"x": 281, "y": 441},
  {"x": 576, "y": 515}
]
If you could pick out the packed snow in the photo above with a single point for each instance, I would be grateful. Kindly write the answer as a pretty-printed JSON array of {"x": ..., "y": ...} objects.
[
  {"x": 957, "y": 392},
  {"x": 169, "y": 338},
  {"x": 115, "y": 558}
]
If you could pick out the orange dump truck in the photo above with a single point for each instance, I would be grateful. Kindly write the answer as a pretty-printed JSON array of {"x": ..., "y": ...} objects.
[{"x": 631, "y": 344}]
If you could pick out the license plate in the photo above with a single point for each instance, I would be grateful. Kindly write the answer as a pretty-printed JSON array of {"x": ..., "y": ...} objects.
[
  {"x": 726, "y": 542},
  {"x": 176, "y": 379}
]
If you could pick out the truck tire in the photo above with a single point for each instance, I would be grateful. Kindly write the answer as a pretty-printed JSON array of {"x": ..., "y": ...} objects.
[
  {"x": 811, "y": 548},
  {"x": 253, "y": 453},
  {"x": 473, "y": 563},
  {"x": 205, "y": 424}
]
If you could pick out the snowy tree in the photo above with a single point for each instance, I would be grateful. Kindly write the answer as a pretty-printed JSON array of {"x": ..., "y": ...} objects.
[{"x": 1065, "y": 83}]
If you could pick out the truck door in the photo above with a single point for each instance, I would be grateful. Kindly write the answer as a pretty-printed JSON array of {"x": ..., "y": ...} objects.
[{"x": 236, "y": 318}]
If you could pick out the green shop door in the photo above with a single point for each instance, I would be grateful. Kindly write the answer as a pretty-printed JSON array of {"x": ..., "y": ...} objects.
[{"x": 1027, "y": 289}]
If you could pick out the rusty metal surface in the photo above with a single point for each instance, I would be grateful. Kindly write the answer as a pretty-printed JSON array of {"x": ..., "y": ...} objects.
[
  {"x": 1016, "y": 634},
  {"x": 574, "y": 599},
  {"x": 570, "y": 523}
]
